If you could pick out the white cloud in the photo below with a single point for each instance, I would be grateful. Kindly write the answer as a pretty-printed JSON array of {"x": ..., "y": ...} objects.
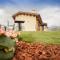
[
  {"x": 1, "y": 11},
  {"x": 3, "y": 17},
  {"x": 51, "y": 15}
]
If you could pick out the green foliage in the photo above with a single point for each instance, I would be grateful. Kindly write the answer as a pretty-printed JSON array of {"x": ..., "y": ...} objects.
[
  {"x": 6, "y": 56},
  {"x": 6, "y": 43},
  {"x": 52, "y": 37}
]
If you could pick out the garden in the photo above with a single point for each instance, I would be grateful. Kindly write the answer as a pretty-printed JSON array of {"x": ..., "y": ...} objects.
[{"x": 29, "y": 45}]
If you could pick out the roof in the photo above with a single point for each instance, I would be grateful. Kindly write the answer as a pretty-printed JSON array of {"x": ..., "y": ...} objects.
[
  {"x": 38, "y": 17},
  {"x": 25, "y": 13}
]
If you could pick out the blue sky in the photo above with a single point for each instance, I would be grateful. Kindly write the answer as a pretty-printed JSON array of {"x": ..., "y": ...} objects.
[
  {"x": 29, "y": 3},
  {"x": 48, "y": 9}
]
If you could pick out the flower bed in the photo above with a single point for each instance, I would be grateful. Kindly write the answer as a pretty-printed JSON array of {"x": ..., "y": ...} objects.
[{"x": 36, "y": 51}]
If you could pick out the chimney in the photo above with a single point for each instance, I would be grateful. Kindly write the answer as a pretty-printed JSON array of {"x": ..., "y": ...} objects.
[{"x": 34, "y": 11}]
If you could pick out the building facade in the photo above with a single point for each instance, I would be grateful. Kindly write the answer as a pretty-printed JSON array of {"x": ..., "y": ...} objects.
[{"x": 29, "y": 21}]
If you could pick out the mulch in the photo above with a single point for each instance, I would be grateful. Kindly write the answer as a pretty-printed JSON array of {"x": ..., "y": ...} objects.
[{"x": 36, "y": 51}]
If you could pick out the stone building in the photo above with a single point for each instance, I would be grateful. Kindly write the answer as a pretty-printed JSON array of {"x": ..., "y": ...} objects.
[{"x": 29, "y": 21}]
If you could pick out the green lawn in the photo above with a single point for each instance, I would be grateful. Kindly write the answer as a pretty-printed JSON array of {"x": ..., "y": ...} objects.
[{"x": 41, "y": 37}]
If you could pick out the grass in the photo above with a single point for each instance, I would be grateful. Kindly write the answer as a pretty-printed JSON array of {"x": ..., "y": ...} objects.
[{"x": 52, "y": 37}]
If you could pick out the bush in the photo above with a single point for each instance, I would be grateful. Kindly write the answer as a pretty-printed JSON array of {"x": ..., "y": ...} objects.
[{"x": 7, "y": 46}]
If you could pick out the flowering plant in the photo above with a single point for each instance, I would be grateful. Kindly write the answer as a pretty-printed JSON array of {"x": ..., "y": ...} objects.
[
  {"x": 7, "y": 45},
  {"x": 9, "y": 33}
]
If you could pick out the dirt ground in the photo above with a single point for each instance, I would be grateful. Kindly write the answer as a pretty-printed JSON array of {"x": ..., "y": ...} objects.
[{"x": 36, "y": 51}]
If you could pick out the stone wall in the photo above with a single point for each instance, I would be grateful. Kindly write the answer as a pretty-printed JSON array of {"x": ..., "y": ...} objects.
[{"x": 29, "y": 22}]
